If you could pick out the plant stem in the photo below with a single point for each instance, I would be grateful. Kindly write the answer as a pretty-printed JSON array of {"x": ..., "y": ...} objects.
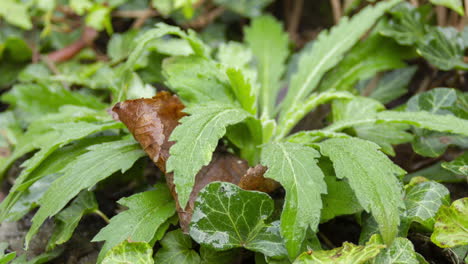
[
  {"x": 336, "y": 7},
  {"x": 102, "y": 215}
]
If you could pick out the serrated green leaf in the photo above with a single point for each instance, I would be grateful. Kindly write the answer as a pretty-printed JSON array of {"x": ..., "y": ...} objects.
[
  {"x": 226, "y": 217},
  {"x": 328, "y": 50},
  {"x": 176, "y": 248},
  {"x": 455, "y": 5},
  {"x": 197, "y": 80},
  {"x": 312, "y": 136},
  {"x": 120, "y": 45},
  {"x": 207, "y": 124},
  {"x": 67, "y": 220},
  {"x": 243, "y": 90},
  {"x": 84, "y": 173},
  {"x": 147, "y": 212},
  {"x": 424, "y": 200},
  {"x": 294, "y": 166},
  {"x": 451, "y": 225},
  {"x": 393, "y": 84},
  {"x": 16, "y": 13},
  {"x": 130, "y": 252},
  {"x": 367, "y": 58},
  {"x": 99, "y": 18},
  {"x": 401, "y": 251},
  {"x": 376, "y": 187},
  {"x": 269, "y": 44},
  {"x": 459, "y": 165},
  {"x": 251, "y": 8},
  {"x": 348, "y": 253},
  {"x": 36, "y": 100},
  {"x": 235, "y": 54}
]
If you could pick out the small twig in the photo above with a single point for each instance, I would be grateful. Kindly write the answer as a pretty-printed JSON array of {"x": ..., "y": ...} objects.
[
  {"x": 466, "y": 8},
  {"x": 135, "y": 13},
  {"x": 205, "y": 19},
  {"x": 142, "y": 19},
  {"x": 294, "y": 18},
  {"x": 336, "y": 8},
  {"x": 68, "y": 52},
  {"x": 441, "y": 13},
  {"x": 102, "y": 215}
]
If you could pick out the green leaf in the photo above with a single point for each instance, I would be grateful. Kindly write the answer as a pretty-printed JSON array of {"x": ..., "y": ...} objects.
[
  {"x": 382, "y": 134},
  {"x": 451, "y": 225},
  {"x": 422, "y": 119},
  {"x": 166, "y": 7},
  {"x": 35, "y": 100},
  {"x": 130, "y": 252},
  {"x": 84, "y": 173},
  {"x": 367, "y": 58},
  {"x": 348, "y": 253},
  {"x": 311, "y": 136},
  {"x": 269, "y": 44},
  {"x": 16, "y": 13},
  {"x": 250, "y": 8},
  {"x": 294, "y": 166},
  {"x": 197, "y": 80},
  {"x": 423, "y": 200},
  {"x": 442, "y": 101},
  {"x": 147, "y": 212},
  {"x": 196, "y": 139},
  {"x": 99, "y": 18},
  {"x": 120, "y": 45},
  {"x": 300, "y": 110},
  {"x": 5, "y": 258},
  {"x": 340, "y": 199},
  {"x": 328, "y": 50},
  {"x": 243, "y": 90},
  {"x": 459, "y": 165},
  {"x": 444, "y": 48},
  {"x": 210, "y": 256},
  {"x": 393, "y": 84},
  {"x": 455, "y": 5},
  {"x": 235, "y": 55},
  {"x": 401, "y": 251},
  {"x": 176, "y": 248},
  {"x": 25, "y": 194},
  {"x": 67, "y": 220},
  {"x": 226, "y": 217},
  {"x": 376, "y": 187}
]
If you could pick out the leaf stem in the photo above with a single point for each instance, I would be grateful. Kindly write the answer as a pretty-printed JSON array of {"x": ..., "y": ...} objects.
[{"x": 102, "y": 215}]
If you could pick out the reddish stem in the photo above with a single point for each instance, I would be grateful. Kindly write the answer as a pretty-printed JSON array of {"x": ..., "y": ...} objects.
[{"x": 68, "y": 52}]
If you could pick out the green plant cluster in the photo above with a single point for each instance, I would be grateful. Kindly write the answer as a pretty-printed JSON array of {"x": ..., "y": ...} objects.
[{"x": 234, "y": 94}]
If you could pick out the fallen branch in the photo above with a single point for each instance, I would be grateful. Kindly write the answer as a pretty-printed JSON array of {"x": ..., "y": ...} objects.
[{"x": 68, "y": 52}]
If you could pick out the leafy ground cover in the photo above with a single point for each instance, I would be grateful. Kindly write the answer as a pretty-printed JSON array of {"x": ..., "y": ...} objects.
[{"x": 233, "y": 131}]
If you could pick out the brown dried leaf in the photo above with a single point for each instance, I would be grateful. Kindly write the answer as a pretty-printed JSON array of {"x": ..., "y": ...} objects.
[{"x": 253, "y": 180}]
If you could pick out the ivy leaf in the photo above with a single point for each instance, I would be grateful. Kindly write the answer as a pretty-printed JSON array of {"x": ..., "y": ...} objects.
[
  {"x": 401, "y": 251},
  {"x": 393, "y": 84},
  {"x": 147, "y": 212},
  {"x": 293, "y": 165},
  {"x": 84, "y": 173},
  {"x": 442, "y": 101},
  {"x": 443, "y": 47},
  {"x": 251, "y": 8},
  {"x": 459, "y": 165},
  {"x": 367, "y": 58},
  {"x": 376, "y": 187},
  {"x": 176, "y": 248},
  {"x": 207, "y": 124},
  {"x": 210, "y": 256},
  {"x": 423, "y": 200},
  {"x": 227, "y": 217},
  {"x": 269, "y": 44},
  {"x": 348, "y": 253},
  {"x": 451, "y": 225},
  {"x": 455, "y": 5},
  {"x": 328, "y": 50},
  {"x": 67, "y": 220},
  {"x": 130, "y": 252}
]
